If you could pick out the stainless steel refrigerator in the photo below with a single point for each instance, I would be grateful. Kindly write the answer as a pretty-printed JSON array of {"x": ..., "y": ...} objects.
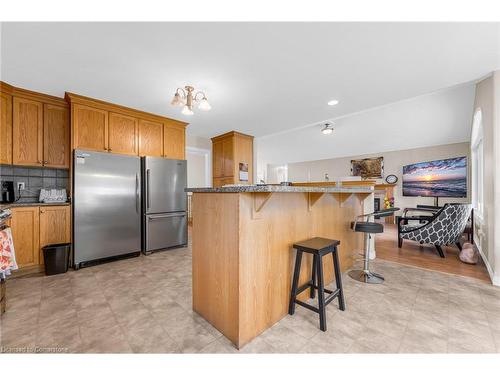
[
  {"x": 106, "y": 206},
  {"x": 164, "y": 203}
]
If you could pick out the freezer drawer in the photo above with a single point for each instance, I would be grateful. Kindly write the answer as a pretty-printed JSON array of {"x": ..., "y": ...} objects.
[{"x": 165, "y": 230}]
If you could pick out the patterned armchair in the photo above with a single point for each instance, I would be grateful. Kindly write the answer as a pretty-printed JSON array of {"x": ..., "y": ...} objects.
[{"x": 444, "y": 227}]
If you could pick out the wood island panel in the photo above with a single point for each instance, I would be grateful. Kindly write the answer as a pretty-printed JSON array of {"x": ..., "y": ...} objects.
[{"x": 243, "y": 257}]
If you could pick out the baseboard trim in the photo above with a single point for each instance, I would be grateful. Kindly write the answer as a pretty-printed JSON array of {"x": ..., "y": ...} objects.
[{"x": 495, "y": 279}]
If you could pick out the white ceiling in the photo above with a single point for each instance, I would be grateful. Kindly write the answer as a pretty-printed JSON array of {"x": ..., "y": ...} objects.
[
  {"x": 429, "y": 120},
  {"x": 261, "y": 78}
]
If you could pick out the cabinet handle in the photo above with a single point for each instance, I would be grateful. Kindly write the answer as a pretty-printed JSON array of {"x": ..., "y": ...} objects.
[{"x": 42, "y": 211}]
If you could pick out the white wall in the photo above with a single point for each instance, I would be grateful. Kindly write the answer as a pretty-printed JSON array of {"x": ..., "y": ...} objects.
[
  {"x": 393, "y": 164},
  {"x": 484, "y": 235},
  {"x": 439, "y": 118},
  {"x": 199, "y": 161},
  {"x": 196, "y": 169}
]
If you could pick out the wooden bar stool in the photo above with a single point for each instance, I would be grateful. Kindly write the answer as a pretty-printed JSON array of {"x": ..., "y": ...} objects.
[{"x": 318, "y": 247}]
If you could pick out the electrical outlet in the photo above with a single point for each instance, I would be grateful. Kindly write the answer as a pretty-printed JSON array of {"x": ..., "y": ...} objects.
[{"x": 20, "y": 186}]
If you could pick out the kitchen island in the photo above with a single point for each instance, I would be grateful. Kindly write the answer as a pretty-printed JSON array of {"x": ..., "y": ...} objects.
[{"x": 242, "y": 241}]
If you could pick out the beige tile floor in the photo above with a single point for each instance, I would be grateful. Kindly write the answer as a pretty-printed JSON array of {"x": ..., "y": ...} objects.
[{"x": 143, "y": 305}]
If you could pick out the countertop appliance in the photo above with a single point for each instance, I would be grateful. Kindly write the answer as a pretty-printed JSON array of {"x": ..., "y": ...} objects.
[
  {"x": 8, "y": 192},
  {"x": 53, "y": 196},
  {"x": 106, "y": 206},
  {"x": 164, "y": 203}
]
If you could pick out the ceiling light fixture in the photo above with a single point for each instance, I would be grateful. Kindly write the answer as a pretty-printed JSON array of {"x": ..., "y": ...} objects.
[
  {"x": 333, "y": 102},
  {"x": 327, "y": 129},
  {"x": 186, "y": 98}
]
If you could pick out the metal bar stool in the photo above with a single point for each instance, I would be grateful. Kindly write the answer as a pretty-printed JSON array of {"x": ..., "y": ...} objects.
[
  {"x": 318, "y": 247},
  {"x": 367, "y": 227}
]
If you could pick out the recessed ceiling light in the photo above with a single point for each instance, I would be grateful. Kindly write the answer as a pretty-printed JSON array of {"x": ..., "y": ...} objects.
[
  {"x": 327, "y": 129},
  {"x": 333, "y": 102}
]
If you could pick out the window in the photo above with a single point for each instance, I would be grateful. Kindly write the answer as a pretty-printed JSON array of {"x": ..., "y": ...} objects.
[{"x": 477, "y": 163}]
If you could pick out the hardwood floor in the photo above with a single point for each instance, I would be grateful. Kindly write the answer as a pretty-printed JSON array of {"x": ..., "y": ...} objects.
[{"x": 425, "y": 256}]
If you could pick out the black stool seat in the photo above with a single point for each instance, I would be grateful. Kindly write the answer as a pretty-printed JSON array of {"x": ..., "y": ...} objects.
[
  {"x": 318, "y": 247},
  {"x": 367, "y": 227}
]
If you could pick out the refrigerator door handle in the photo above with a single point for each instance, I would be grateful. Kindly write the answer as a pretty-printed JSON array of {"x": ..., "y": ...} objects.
[
  {"x": 137, "y": 195},
  {"x": 148, "y": 195},
  {"x": 164, "y": 216}
]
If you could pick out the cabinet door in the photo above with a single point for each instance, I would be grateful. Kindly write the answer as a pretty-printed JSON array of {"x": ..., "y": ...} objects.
[
  {"x": 123, "y": 134},
  {"x": 27, "y": 132},
  {"x": 217, "y": 160},
  {"x": 5, "y": 128},
  {"x": 90, "y": 128},
  {"x": 55, "y": 226},
  {"x": 25, "y": 226},
  {"x": 56, "y": 144},
  {"x": 174, "y": 142},
  {"x": 150, "y": 138},
  {"x": 228, "y": 157},
  {"x": 218, "y": 182}
]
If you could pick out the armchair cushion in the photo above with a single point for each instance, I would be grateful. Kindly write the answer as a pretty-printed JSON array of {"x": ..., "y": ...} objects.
[{"x": 444, "y": 228}]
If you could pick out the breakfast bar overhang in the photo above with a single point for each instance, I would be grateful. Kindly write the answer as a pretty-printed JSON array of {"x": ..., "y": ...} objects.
[{"x": 242, "y": 240}]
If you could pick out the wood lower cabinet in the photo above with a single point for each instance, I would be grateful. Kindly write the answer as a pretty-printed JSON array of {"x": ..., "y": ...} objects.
[
  {"x": 150, "y": 138},
  {"x": 123, "y": 134},
  {"x": 5, "y": 128},
  {"x": 90, "y": 128},
  {"x": 27, "y": 132},
  {"x": 34, "y": 227},
  {"x": 55, "y": 226},
  {"x": 56, "y": 142},
  {"x": 25, "y": 224}
]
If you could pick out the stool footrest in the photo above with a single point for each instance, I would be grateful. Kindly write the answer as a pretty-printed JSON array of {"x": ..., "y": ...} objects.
[
  {"x": 309, "y": 285},
  {"x": 307, "y": 306},
  {"x": 330, "y": 298},
  {"x": 304, "y": 287}
]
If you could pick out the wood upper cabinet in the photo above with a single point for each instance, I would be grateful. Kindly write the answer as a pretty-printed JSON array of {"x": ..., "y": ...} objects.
[
  {"x": 27, "y": 132},
  {"x": 222, "y": 155},
  {"x": 5, "y": 128},
  {"x": 55, "y": 226},
  {"x": 228, "y": 157},
  {"x": 25, "y": 224},
  {"x": 90, "y": 128},
  {"x": 174, "y": 141},
  {"x": 101, "y": 126},
  {"x": 217, "y": 160},
  {"x": 228, "y": 151},
  {"x": 150, "y": 138},
  {"x": 123, "y": 134},
  {"x": 56, "y": 142}
]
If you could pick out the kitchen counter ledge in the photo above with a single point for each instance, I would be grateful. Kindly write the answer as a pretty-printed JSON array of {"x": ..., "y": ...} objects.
[
  {"x": 281, "y": 189},
  {"x": 31, "y": 204}
]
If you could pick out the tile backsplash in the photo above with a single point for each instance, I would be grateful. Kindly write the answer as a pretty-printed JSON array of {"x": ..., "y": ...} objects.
[{"x": 34, "y": 180}]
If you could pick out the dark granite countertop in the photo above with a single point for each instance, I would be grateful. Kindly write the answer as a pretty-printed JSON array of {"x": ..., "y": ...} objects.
[
  {"x": 280, "y": 189},
  {"x": 31, "y": 204}
]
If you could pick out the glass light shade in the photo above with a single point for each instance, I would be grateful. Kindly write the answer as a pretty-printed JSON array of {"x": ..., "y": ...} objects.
[
  {"x": 333, "y": 102},
  {"x": 177, "y": 101},
  {"x": 204, "y": 105},
  {"x": 187, "y": 111},
  {"x": 327, "y": 130}
]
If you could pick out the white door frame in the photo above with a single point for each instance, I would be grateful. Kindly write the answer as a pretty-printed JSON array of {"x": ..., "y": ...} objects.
[{"x": 207, "y": 154}]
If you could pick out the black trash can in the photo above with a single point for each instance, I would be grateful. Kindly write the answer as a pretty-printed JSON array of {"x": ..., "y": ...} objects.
[{"x": 56, "y": 258}]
